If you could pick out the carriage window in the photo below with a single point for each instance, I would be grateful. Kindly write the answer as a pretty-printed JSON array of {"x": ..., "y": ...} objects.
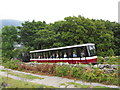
[
  {"x": 60, "y": 54},
  {"x": 32, "y": 56},
  {"x": 83, "y": 52},
  {"x": 41, "y": 55},
  {"x": 78, "y": 52},
  {"x": 37, "y": 55},
  {"x": 56, "y": 54},
  {"x": 92, "y": 50},
  {"x": 74, "y": 52},
  {"x": 65, "y": 53},
  {"x": 52, "y": 54},
  {"x": 70, "y": 53},
  {"x": 47, "y": 54},
  {"x": 44, "y": 54}
]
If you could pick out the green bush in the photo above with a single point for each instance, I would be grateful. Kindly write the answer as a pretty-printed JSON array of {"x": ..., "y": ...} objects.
[
  {"x": 111, "y": 60},
  {"x": 100, "y": 59},
  {"x": 62, "y": 70},
  {"x": 77, "y": 72},
  {"x": 4, "y": 60},
  {"x": 96, "y": 75},
  {"x": 108, "y": 60},
  {"x": 12, "y": 64}
]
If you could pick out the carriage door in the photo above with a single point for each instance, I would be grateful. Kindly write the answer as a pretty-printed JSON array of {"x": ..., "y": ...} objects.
[{"x": 83, "y": 54}]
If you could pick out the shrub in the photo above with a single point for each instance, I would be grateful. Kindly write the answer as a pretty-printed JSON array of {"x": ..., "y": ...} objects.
[
  {"x": 100, "y": 59},
  {"x": 63, "y": 70},
  {"x": 76, "y": 72},
  {"x": 88, "y": 74},
  {"x": 108, "y": 60},
  {"x": 4, "y": 60},
  {"x": 12, "y": 64},
  {"x": 111, "y": 60}
]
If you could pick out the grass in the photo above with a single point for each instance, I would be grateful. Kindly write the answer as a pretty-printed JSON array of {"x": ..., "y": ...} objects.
[
  {"x": 22, "y": 75},
  {"x": 11, "y": 83},
  {"x": 77, "y": 85},
  {"x": 3, "y": 70}
]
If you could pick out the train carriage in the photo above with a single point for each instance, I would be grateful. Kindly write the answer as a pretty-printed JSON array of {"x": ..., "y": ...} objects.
[{"x": 83, "y": 53}]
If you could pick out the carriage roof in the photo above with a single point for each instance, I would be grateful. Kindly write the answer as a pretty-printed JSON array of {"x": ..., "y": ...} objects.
[{"x": 59, "y": 48}]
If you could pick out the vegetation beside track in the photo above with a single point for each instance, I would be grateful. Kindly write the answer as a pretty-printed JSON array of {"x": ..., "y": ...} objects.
[
  {"x": 78, "y": 71},
  {"x": 109, "y": 60}
]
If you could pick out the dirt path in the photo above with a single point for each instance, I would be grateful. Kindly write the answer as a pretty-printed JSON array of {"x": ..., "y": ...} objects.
[{"x": 52, "y": 80}]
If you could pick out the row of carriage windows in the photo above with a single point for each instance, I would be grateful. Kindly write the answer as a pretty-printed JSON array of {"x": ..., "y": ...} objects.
[{"x": 64, "y": 53}]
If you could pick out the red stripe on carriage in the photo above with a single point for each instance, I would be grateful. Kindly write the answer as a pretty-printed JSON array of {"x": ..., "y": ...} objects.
[{"x": 69, "y": 61}]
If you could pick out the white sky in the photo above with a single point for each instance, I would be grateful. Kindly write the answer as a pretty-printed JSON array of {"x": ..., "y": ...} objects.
[{"x": 54, "y": 10}]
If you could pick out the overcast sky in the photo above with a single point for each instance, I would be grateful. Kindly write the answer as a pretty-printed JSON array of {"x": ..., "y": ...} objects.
[{"x": 54, "y": 10}]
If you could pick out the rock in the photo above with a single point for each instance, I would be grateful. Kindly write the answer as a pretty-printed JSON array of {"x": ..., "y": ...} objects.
[
  {"x": 101, "y": 66},
  {"x": 75, "y": 65},
  {"x": 95, "y": 66},
  {"x": 110, "y": 70},
  {"x": 70, "y": 86},
  {"x": 114, "y": 66},
  {"x": 106, "y": 58},
  {"x": 1, "y": 67},
  {"x": 107, "y": 66},
  {"x": 62, "y": 86}
]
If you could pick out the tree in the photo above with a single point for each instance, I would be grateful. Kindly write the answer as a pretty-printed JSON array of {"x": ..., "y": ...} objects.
[
  {"x": 9, "y": 36},
  {"x": 79, "y": 30},
  {"x": 71, "y": 31},
  {"x": 103, "y": 39},
  {"x": 45, "y": 39},
  {"x": 117, "y": 39},
  {"x": 28, "y": 32}
]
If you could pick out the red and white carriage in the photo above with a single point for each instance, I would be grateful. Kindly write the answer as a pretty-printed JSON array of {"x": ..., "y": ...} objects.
[{"x": 83, "y": 53}]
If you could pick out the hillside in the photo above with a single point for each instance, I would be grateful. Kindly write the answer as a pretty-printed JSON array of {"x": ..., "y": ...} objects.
[{"x": 8, "y": 22}]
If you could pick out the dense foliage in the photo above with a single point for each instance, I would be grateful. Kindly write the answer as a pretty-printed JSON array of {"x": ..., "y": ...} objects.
[
  {"x": 109, "y": 60},
  {"x": 70, "y": 31},
  {"x": 9, "y": 37},
  {"x": 12, "y": 64}
]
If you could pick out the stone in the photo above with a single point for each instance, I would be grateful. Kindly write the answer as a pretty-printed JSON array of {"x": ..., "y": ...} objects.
[
  {"x": 110, "y": 70},
  {"x": 106, "y": 58},
  {"x": 95, "y": 66},
  {"x": 114, "y": 66},
  {"x": 107, "y": 66},
  {"x": 70, "y": 86},
  {"x": 1, "y": 67},
  {"x": 101, "y": 66},
  {"x": 62, "y": 86}
]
